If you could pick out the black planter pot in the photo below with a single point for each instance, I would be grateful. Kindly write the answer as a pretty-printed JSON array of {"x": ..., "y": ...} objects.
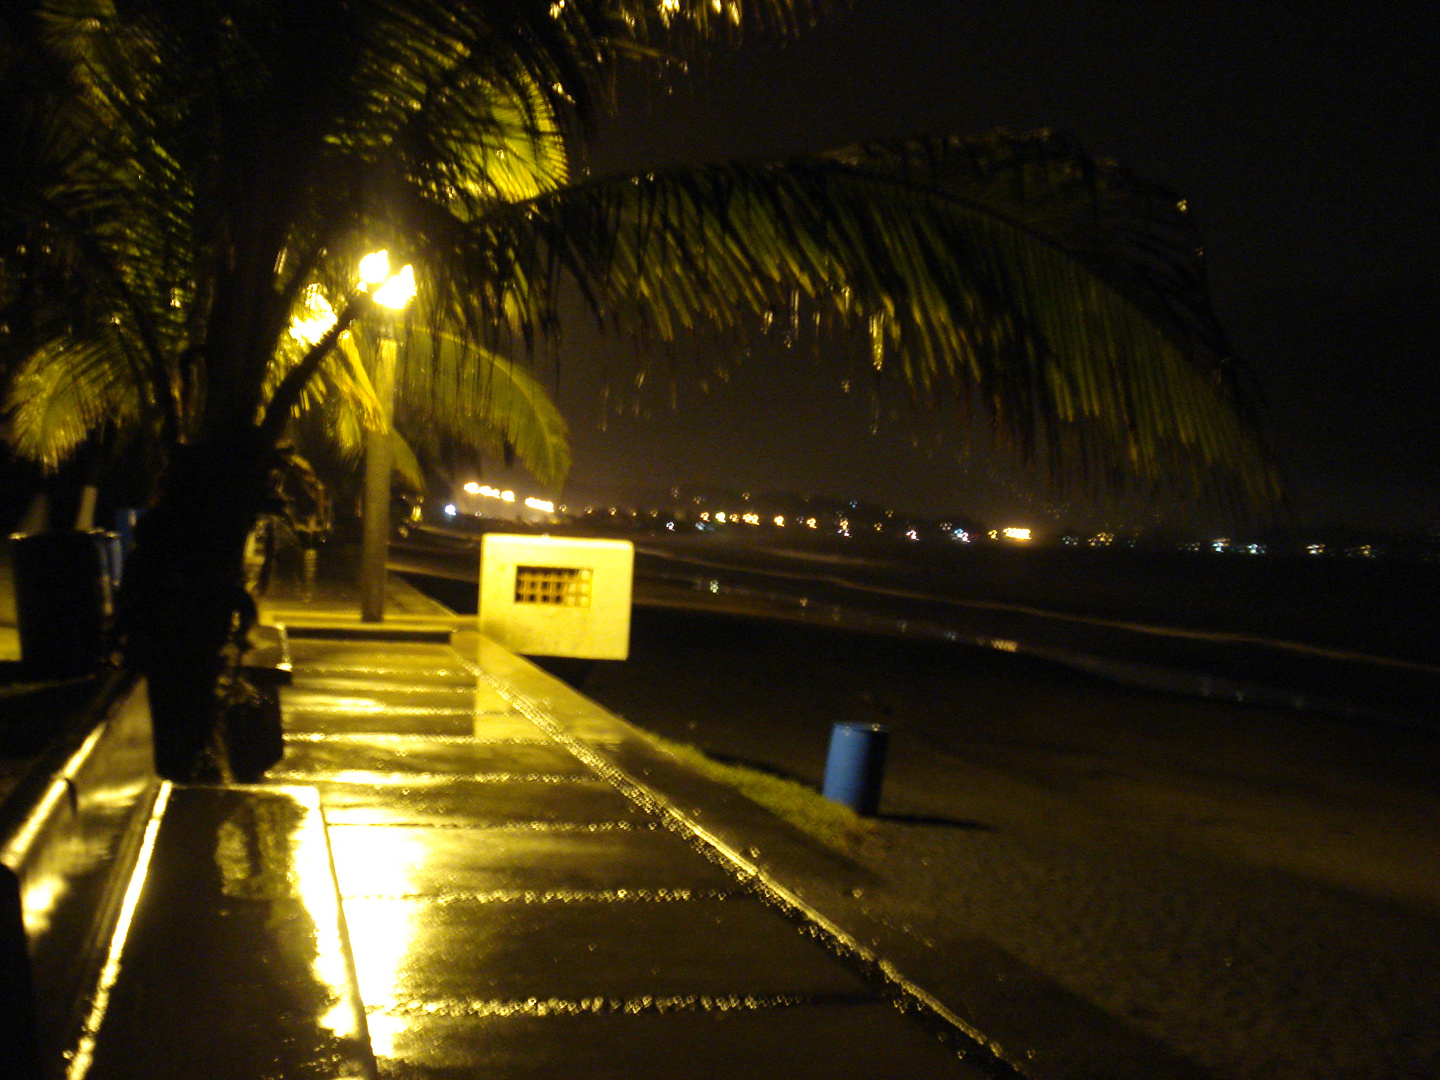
[{"x": 62, "y": 600}]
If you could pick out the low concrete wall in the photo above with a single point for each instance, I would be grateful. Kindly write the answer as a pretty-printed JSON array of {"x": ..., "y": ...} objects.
[{"x": 68, "y": 840}]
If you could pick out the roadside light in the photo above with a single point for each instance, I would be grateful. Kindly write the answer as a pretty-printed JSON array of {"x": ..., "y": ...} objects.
[
  {"x": 393, "y": 291},
  {"x": 375, "y": 267},
  {"x": 472, "y": 488},
  {"x": 398, "y": 291}
]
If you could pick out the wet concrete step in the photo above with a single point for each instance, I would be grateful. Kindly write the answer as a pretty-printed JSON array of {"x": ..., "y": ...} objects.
[{"x": 233, "y": 962}]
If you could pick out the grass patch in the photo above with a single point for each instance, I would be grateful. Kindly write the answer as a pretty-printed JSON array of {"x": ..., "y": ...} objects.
[{"x": 832, "y": 824}]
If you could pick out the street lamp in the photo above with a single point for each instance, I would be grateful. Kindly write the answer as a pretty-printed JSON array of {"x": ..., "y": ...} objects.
[{"x": 392, "y": 291}]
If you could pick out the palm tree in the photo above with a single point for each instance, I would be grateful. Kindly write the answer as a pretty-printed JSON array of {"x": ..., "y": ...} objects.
[{"x": 178, "y": 178}]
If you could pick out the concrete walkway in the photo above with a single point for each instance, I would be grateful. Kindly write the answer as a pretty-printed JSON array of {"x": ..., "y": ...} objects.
[{"x": 506, "y": 900}]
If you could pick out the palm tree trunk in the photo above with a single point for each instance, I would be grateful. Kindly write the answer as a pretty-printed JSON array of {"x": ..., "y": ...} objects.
[{"x": 183, "y": 608}]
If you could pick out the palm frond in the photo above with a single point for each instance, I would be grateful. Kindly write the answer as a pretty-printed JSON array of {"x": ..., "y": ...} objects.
[
  {"x": 474, "y": 399},
  {"x": 62, "y": 393},
  {"x": 194, "y": 168},
  {"x": 407, "y": 464},
  {"x": 1062, "y": 315}
]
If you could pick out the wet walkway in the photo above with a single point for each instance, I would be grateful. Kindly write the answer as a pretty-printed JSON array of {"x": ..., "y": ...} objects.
[{"x": 517, "y": 909}]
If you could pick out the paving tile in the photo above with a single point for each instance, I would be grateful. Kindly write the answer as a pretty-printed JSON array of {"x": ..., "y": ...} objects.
[
  {"x": 371, "y": 654},
  {"x": 419, "y": 861},
  {"x": 432, "y": 722},
  {"x": 463, "y": 953},
  {"x": 864, "y": 1041},
  {"x": 234, "y": 966},
  {"x": 458, "y": 757},
  {"x": 476, "y": 802}
]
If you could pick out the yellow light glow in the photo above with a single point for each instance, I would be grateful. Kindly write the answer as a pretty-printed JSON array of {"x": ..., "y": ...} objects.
[
  {"x": 720, "y": 517},
  {"x": 472, "y": 488},
  {"x": 398, "y": 291},
  {"x": 315, "y": 884},
  {"x": 812, "y": 523},
  {"x": 375, "y": 267},
  {"x": 43, "y": 894},
  {"x": 314, "y": 319},
  {"x": 1014, "y": 533},
  {"x": 507, "y": 496},
  {"x": 380, "y": 933},
  {"x": 543, "y": 505},
  {"x": 780, "y": 520}
]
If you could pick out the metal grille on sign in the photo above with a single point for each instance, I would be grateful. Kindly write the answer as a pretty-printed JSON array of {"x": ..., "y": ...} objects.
[{"x": 556, "y": 586}]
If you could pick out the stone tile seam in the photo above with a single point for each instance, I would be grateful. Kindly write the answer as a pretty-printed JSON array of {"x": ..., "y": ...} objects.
[
  {"x": 751, "y": 874},
  {"x": 604, "y": 1006},
  {"x": 434, "y": 780},
  {"x": 560, "y": 827},
  {"x": 560, "y": 896},
  {"x": 301, "y": 708},
  {"x": 345, "y": 669},
  {"x": 399, "y": 739}
]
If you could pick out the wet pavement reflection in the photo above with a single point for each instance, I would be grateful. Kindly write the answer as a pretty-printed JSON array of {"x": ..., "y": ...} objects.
[{"x": 513, "y": 914}]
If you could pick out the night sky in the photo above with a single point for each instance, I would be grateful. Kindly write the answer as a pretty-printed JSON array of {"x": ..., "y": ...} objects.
[{"x": 1305, "y": 139}]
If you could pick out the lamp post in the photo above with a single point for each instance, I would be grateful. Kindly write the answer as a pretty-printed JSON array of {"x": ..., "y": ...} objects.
[{"x": 393, "y": 292}]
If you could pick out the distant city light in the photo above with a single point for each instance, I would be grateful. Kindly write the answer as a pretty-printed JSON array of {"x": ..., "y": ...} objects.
[
  {"x": 543, "y": 505},
  {"x": 472, "y": 488},
  {"x": 1015, "y": 533},
  {"x": 780, "y": 520},
  {"x": 450, "y": 510}
]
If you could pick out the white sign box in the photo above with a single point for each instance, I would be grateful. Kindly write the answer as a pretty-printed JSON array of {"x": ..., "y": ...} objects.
[{"x": 556, "y": 596}]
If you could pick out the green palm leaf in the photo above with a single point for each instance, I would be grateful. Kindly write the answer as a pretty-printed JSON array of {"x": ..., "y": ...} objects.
[
  {"x": 1031, "y": 282},
  {"x": 477, "y": 400}
]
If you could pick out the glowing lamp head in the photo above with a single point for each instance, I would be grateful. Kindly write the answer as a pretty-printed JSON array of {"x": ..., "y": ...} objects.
[
  {"x": 393, "y": 291},
  {"x": 398, "y": 291},
  {"x": 375, "y": 268}
]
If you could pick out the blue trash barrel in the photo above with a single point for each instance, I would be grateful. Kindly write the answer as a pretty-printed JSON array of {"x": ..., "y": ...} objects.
[
  {"x": 125, "y": 521},
  {"x": 856, "y": 765}
]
